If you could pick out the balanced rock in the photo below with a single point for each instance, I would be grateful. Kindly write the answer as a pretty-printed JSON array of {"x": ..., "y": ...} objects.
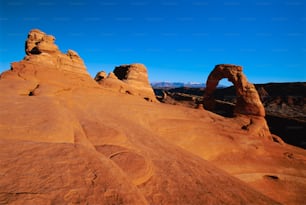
[
  {"x": 248, "y": 105},
  {"x": 131, "y": 79}
]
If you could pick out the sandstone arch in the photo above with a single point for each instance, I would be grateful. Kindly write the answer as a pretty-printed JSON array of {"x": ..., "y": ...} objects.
[
  {"x": 248, "y": 100},
  {"x": 248, "y": 110}
]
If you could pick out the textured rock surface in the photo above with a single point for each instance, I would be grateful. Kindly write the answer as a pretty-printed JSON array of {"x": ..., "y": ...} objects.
[
  {"x": 92, "y": 146},
  {"x": 131, "y": 79},
  {"x": 38, "y": 42},
  {"x": 248, "y": 101},
  {"x": 285, "y": 106},
  {"x": 41, "y": 50},
  {"x": 45, "y": 70},
  {"x": 248, "y": 105},
  {"x": 85, "y": 144},
  {"x": 114, "y": 84},
  {"x": 61, "y": 173},
  {"x": 100, "y": 76}
]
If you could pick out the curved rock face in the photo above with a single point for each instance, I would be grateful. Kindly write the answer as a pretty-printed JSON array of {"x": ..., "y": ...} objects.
[
  {"x": 45, "y": 70},
  {"x": 248, "y": 102},
  {"x": 131, "y": 79},
  {"x": 41, "y": 49},
  {"x": 136, "y": 76},
  {"x": 38, "y": 42},
  {"x": 100, "y": 76},
  {"x": 82, "y": 144}
]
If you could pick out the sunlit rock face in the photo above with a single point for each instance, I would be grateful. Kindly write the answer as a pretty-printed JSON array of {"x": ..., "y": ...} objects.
[
  {"x": 65, "y": 139},
  {"x": 131, "y": 79},
  {"x": 248, "y": 104},
  {"x": 40, "y": 48},
  {"x": 45, "y": 70}
]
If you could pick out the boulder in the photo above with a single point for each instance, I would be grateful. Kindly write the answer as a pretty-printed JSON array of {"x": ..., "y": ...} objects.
[{"x": 100, "y": 76}]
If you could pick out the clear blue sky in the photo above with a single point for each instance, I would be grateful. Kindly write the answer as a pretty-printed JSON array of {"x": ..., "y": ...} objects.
[{"x": 178, "y": 40}]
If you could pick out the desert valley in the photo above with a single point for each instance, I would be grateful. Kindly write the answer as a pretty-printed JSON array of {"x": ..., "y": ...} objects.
[{"x": 67, "y": 138}]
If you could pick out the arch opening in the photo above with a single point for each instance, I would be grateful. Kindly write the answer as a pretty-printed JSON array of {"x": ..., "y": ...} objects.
[
  {"x": 242, "y": 96},
  {"x": 222, "y": 99}
]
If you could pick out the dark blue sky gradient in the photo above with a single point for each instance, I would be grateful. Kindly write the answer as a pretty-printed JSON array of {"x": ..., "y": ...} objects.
[{"x": 178, "y": 40}]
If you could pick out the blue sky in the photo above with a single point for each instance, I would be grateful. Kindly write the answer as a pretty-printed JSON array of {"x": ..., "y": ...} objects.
[{"x": 178, "y": 40}]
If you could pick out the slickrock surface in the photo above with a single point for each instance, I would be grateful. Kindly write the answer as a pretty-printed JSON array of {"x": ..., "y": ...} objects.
[
  {"x": 285, "y": 106},
  {"x": 71, "y": 141}
]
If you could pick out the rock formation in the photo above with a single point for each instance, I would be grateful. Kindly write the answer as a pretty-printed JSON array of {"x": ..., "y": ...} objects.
[
  {"x": 248, "y": 104},
  {"x": 45, "y": 70},
  {"x": 113, "y": 83},
  {"x": 100, "y": 76},
  {"x": 66, "y": 140},
  {"x": 131, "y": 79},
  {"x": 263, "y": 94},
  {"x": 41, "y": 49},
  {"x": 38, "y": 42}
]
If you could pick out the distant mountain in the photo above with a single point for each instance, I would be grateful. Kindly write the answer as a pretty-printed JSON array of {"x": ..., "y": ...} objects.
[
  {"x": 177, "y": 85},
  {"x": 167, "y": 84},
  {"x": 157, "y": 85}
]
